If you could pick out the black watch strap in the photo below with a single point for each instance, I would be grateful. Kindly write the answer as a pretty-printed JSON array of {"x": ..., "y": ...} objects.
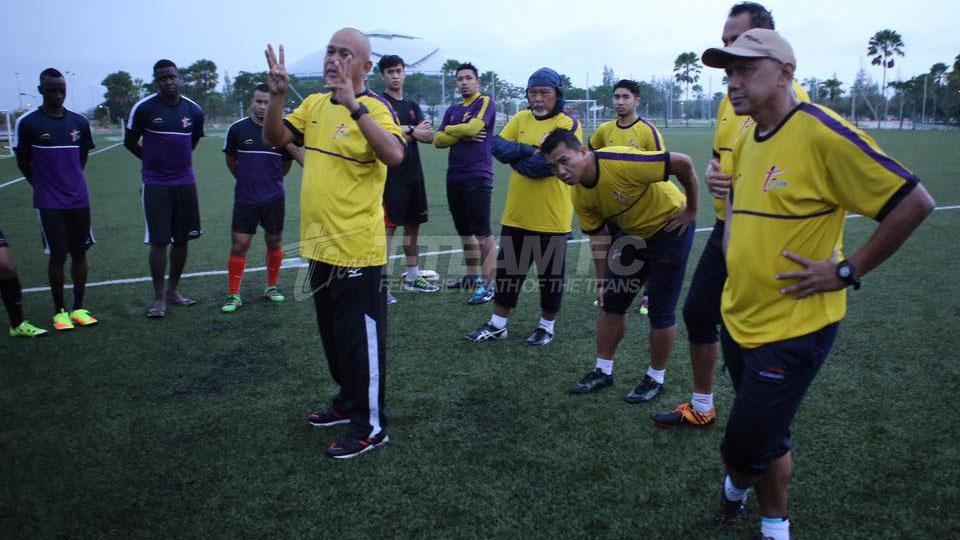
[
  {"x": 848, "y": 274},
  {"x": 360, "y": 111}
]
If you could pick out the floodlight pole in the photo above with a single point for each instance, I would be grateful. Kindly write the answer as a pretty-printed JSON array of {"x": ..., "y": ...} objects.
[
  {"x": 923, "y": 107},
  {"x": 19, "y": 93}
]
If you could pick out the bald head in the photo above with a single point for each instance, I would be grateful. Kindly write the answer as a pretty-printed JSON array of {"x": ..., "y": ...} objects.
[{"x": 349, "y": 48}]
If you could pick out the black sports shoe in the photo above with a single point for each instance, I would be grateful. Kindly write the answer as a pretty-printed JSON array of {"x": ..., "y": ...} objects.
[
  {"x": 348, "y": 445},
  {"x": 540, "y": 336},
  {"x": 327, "y": 417},
  {"x": 729, "y": 511},
  {"x": 487, "y": 332},
  {"x": 645, "y": 391},
  {"x": 595, "y": 380}
]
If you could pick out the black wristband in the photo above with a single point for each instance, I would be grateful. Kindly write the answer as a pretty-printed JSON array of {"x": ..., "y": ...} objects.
[
  {"x": 360, "y": 111},
  {"x": 848, "y": 274}
]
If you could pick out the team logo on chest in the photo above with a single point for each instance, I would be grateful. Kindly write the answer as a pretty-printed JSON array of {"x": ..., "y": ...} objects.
[
  {"x": 620, "y": 196},
  {"x": 186, "y": 122},
  {"x": 466, "y": 116},
  {"x": 770, "y": 180},
  {"x": 75, "y": 135},
  {"x": 747, "y": 122},
  {"x": 341, "y": 132}
]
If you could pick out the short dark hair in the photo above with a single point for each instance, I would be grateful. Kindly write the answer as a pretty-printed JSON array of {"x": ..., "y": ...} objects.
[
  {"x": 632, "y": 86},
  {"x": 467, "y": 65},
  {"x": 262, "y": 87},
  {"x": 50, "y": 72},
  {"x": 164, "y": 63},
  {"x": 388, "y": 61},
  {"x": 558, "y": 136},
  {"x": 760, "y": 17}
]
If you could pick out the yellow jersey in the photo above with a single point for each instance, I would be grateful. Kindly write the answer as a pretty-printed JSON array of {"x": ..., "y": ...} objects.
[
  {"x": 341, "y": 199},
  {"x": 641, "y": 135},
  {"x": 791, "y": 191},
  {"x": 538, "y": 204},
  {"x": 631, "y": 189},
  {"x": 729, "y": 127}
]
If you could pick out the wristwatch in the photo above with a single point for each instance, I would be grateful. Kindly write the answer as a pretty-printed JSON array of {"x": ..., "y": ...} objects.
[
  {"x": 360, "y": 111},
  {"x": 848, "y": 274}
]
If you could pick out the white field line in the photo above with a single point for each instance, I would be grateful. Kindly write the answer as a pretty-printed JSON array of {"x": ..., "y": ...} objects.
[
  {"x": 95, "y": 152},
  {"x": 294, "y": 262}
]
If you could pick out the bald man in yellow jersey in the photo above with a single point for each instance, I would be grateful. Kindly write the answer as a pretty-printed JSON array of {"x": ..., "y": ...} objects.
[
  {"x": 350, "y": 136},
  {"x": 797, "y": 171},
  {"x": 538, "y": 213},
  {"x": 701, "y": 310}
]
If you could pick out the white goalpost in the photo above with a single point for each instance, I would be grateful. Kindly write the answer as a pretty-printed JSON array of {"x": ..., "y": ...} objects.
[{"x": 6, "y": 136}]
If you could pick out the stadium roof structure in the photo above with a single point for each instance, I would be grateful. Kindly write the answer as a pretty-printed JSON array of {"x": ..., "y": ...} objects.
[{"x": 419, "y": 55}]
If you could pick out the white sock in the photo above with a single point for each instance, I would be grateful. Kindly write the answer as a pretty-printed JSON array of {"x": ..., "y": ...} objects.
[
  {"x": 776, "y": 528},
  {"x": 604, "y": 365},
  {"x": 498, "y": 321},
  {"x": 732, "y": 492},
  {"x": 702, "y": 403},
  {"x": 412, "y": 273},
  {"x": 547, "y": 325},
  {"x": 657, "y": 374}
]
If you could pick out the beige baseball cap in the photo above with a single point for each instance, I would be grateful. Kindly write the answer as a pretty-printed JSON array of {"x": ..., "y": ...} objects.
[{"x": 754, "y": 43}]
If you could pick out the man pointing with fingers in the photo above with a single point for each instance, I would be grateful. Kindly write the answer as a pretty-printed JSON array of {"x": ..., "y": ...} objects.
[{"x": 350, "y": 136}]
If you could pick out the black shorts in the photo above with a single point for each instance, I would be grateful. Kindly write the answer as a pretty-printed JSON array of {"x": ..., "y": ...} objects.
[
  {"x": 172, "y": 214},
  {"x": 660, "y": 262},
  {"x": 405, "y": 202},
  {"x": 469, "y": 203},
  {"x": 65, "y": 231},
  {"x": 270, "y": 216},
  {"x": 351, "y": 308},
  {"x": 519, "y": 250},
  {"x": 770, "y": 382},
  {"x": 3, "y": 240},
  {"x": 701, "y": 310}
]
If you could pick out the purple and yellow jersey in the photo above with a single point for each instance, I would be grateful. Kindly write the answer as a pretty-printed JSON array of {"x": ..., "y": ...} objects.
[
  {"x": 468, "y": 159},
  {"x": 729, "y": 128},
  {"x": 259, "y": 167},
  {"x": 341, "y": 199},
  {"x": 632, "y": 190},
  {"x": 538, "y": 204},
  {"x": 168, "y": 133},
  {"x": 54, "y": 146},
  {"x": 641, "y": 135},
  {"x": 792, "y": 189}
]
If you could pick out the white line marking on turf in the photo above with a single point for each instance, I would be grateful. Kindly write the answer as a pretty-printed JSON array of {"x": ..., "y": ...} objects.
[
  {"x": 294, "y": 262},
  {"x": 95, "y": 152}
]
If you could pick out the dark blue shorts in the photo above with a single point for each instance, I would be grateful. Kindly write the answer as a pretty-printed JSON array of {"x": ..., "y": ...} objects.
[
  {"x": 469, "y": 202},
  {"x": 270, "y": 216},
  {"x": 660, "y": 262},
  {"x": 770, "y": 382},
  {"x": 701, "y": 310}
]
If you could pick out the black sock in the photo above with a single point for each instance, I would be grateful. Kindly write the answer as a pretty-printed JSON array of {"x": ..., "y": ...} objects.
[{"x": 12, "y": 298}]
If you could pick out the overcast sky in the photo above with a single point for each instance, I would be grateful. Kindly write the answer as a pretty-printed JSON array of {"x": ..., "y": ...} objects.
[{"x": 638, "y": 38}]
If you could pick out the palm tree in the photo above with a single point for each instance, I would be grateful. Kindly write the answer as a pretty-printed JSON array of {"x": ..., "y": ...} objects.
[
  {"x": 833, "y": 88},
  {"x": 882, "y": 47},
  {"x": 447, "y": 71},
  {"x": 686, "y": 69}
]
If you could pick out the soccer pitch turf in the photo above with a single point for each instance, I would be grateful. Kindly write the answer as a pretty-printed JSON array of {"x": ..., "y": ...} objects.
[{"x": 194, "y": 426}]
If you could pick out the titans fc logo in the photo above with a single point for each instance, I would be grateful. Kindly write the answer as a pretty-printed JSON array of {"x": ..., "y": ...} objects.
[
  {"x": 186, "y": 122},
  {"x": 75, "y": 135},
  {"x": 341, "y": 132},
  {"x": 771, "y": 181}
]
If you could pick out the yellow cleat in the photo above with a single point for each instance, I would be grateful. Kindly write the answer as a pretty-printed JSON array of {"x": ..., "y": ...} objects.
[{"x": 61, "y": 321}]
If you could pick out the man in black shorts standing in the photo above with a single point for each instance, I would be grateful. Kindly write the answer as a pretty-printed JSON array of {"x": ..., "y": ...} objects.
[
  {"x": 51, "y": 144},
  {"x": 258, "y": 197},
  {"x": 171, "y": 126},
  {"x": 12, "y": 295},
  {"x": 405, "y": 195}
]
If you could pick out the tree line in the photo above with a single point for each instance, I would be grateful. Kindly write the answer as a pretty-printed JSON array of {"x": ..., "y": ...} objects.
[{"x": 929, "y": 97}]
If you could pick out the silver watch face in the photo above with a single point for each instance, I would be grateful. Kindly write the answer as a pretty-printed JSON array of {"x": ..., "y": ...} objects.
[{"x": 844, "y": 271}]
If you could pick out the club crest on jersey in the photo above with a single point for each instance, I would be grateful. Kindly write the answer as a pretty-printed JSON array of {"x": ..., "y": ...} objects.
[
  {"x": 770, "y": 180},
  {"x": 467, "y": 116},
  {"x": 186, "y": 122},
  {"x": 620, "y": 196},
  {"x": 633, "y": 144},
  {"x": 746, "y": 124},
  {"x": 341, "y": 132},
  {"x": 75, "y": 135}
]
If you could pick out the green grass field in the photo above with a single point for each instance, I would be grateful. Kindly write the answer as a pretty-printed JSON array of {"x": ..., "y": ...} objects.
[{"x": 194, "y": 426}]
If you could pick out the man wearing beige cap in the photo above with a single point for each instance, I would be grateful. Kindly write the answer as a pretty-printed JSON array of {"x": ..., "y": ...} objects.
[{"x": 797, "y": 171}]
